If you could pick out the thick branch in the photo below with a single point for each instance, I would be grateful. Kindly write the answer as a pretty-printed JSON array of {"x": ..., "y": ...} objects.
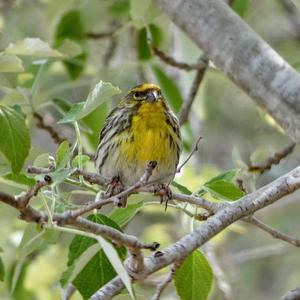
[
  {"x": 292, "y": 295},
  {"x": 294, "y": 14},
  {"x": 245, "y": 57},
  {"x": 246, "y": 206},
  {"x": 118, "y": 237}
]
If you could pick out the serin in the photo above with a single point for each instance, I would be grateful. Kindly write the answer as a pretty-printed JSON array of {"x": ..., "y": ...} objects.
[{"x": 140, "y": 129}]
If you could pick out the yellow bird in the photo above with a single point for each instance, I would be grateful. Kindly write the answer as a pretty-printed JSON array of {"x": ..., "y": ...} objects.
[{"x": 140, "y": 129}]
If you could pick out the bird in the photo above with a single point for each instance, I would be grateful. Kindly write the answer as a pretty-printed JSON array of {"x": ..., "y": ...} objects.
[{"x": 142, "y": 128}]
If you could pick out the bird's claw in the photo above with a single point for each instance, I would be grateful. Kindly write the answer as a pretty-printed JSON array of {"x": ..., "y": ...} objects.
[{"x": 165, "y": 194}]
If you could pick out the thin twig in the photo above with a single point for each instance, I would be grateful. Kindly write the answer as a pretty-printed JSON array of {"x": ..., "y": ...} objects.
[
  {"x": 105, "y": 34},
  {"x": 110, "y": 51},
  {"x": 165, "y": 282},
  {"x": 56, "y": 136},
  {"x": 100, "y": 35},
  {"x": 69, "y": 291},
  {"x": 106, "y": 200},
  {"x": 273, "y": 232},
  {"x": 219, "y": 274},
  {"x": 187, "y": 104},
  {"x": 24, "y": 199},
  {"x": 90, "y": 177},
  {"x": 261, "y": 252},
  {"x": 40, "y": 170},
  {"x": 273, "y": 160},
  {"x": 174, "y": 63},
  {"x": 195, "y": 149}
]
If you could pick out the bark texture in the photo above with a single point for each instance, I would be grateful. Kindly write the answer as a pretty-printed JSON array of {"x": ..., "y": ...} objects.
[{"x": 243, "y": 55}]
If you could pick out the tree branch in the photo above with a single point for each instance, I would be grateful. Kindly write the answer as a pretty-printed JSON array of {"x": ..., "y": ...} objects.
[
  {"x": 292, "y": 295},
  {"x": 24, "y": 199},
  {"x": 202, "y": 64},
  {"x": 167, "y": 280},
  {"x": 219, "y": 275},
  {"x": 187, "y": 104},
  {"x": 273, "y": 232},
  {"x": 273, "y": 160},
  {"x": 294, "y": 14},
  {"x": 56, "y": 136},
  {"x": 245, "y": 57},
  {"x": 224, "y": 217}
]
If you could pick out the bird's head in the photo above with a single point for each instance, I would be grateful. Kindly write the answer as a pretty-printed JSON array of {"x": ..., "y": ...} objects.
[{"x": 145, "y": 93}]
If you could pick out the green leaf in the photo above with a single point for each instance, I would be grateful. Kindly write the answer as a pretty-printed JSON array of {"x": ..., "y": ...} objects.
[
  {"x": 119, "y": 8},
  {"x": 183, "y": 189},
  {"x": 2, "y": 270},
  {"x": 143, "y": 49},
  {"x": 71, "y": 115},
  {"x": 194, "y": 278},
  {"x": 84, "y": 159},
  {"x": 226, "y": 176},
  {"x": 94, "y": 122},
  {"x": 42, "y": 160},
  {"x": 21, "y": 292},
  {"x": 63, "y": 106},
  {"x": 75, "y": 65},
  {"x": 70, "y": 48},
  {"x": 156, "y": 35},
  {"x": 62, "y": 155},
  {"x": 33, "y": 47},
  {"x": 224, "y": 189},
  {"x": 102, "y": 92},
  {"x": 75, "y": 269},
  {"x": 60, "y": 175},
  {"x": 20, "y": 178},
  {"x": 15, "y": 133},
  {"x": 222, "y": 186},
  {"x": 51, "y": 236},
  {"x": 31, "y": 77},
  {"x": 123, "y": 216},
  {"x": 10, "y": 63},
  {"x": 169, "y": 88},
  {"x": 98, "y": 270},
  {"x": 30, "y": 242},
  {"x": 117, "y": 264},
  {"x": 71, "y": 28},
  {"x": 240, "y": 6}
]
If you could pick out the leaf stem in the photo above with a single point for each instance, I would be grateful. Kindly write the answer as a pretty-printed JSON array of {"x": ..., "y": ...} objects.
[{"x": 78, "y": 138}]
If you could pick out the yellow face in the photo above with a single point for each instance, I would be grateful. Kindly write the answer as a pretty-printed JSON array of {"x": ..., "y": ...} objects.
[{"x": 145, "y": 93}]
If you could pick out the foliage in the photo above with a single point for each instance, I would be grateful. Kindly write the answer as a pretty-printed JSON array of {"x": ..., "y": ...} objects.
[
  {"x": 196, "y": 273},
  {"x": 50, "y": 64}
]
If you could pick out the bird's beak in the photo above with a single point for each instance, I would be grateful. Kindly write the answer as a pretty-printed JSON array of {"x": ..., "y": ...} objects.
[{"x": 151, "y": 96}]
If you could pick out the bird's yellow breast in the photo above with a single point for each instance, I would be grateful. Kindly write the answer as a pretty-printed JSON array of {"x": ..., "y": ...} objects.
[{"x": 150, "y": 136}]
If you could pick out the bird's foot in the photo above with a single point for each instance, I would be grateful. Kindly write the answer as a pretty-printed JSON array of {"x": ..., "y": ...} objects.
[
  {"x": 165, "y": 194},
  {"x": 114, "y": 188}
]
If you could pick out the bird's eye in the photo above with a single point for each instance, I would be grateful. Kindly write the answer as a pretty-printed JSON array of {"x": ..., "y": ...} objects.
[{"x": 138, "y": 94}]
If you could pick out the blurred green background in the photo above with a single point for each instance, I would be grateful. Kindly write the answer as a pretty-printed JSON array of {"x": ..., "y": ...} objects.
[{"x": 234, "y": 130}]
